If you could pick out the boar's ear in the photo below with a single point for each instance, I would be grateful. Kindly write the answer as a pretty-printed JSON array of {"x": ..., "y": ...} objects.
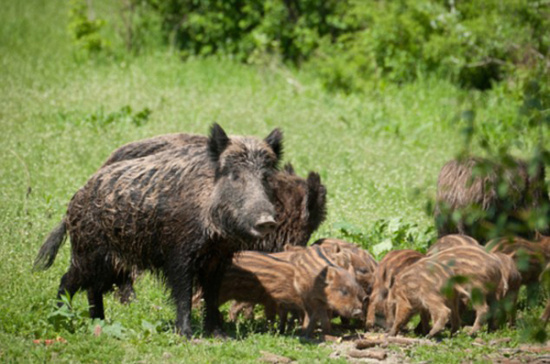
[
  {"x": 275, "y": 141},
  {"x": 316, "y": 201},
  {"x": 289, "y": 169},
  {"x": 217, "y": 142}
]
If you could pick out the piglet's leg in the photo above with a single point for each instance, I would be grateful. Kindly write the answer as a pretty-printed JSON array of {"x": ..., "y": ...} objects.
[
  {"x": 309, "y": 322},
  {"x": 325, "y": 322},
  {"x": 371, "y": 312},
  {"x": 424, "y": 322},
  {"x": 546, "y": 313},
  {"x": 440, "y": 316},
  {"x": 403, "y": 313},
  {"x": 481, "y": 313},
  {"x": 283, "y": 318},
  {"x": 455, "y": 315}
]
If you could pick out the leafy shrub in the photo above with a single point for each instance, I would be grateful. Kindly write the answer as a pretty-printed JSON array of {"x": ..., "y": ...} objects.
[
  {"x": 386, "y": 235},
  {"x": 242, "y": 28},
  {"x": 125, "y": 115},
  {"x": 86, "y": 31},
  {"x": 349, "y": 43},
  {"x": 474, "y": 43}
]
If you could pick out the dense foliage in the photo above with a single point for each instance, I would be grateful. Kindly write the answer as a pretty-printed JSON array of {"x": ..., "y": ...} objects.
[{"x": 350, "y": 43}]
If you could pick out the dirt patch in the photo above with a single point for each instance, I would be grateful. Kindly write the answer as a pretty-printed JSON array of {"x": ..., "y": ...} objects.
[{"x": 379, "y": 348}]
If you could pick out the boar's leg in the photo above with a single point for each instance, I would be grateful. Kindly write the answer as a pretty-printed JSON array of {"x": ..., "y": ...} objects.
[
  {"x": 179, "y": 277},
  {"x": 210, "y": 281},
  {"x": 95, "y": 301},
  {"x": 70, "y": 284},
  {"x": 181, "y": 293}
]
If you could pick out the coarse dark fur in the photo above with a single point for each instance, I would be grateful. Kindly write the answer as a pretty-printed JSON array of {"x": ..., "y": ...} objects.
[
  {"x": 181, "y": 212},
  {"x": 470, "y": 187},
  {"x": 451, "y": 241},
  {"x": 300, "y": 204},
  {"x": 389, "y": 267}
]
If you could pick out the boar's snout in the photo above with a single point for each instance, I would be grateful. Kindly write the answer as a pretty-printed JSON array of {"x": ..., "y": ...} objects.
[{"x": 265, "y": 224}]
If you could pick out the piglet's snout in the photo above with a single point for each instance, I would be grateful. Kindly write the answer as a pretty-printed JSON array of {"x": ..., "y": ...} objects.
[{"x": 357, "y": 313}]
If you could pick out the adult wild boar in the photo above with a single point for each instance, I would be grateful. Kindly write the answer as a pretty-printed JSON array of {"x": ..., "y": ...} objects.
[
  {"x": 181, "y": 212},
  {"x": 484, "y": 192},
  {"x": 300, "y": 204}
]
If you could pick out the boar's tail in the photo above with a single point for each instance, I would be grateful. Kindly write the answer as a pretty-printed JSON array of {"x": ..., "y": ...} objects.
[{"x": 48, "y": 250}]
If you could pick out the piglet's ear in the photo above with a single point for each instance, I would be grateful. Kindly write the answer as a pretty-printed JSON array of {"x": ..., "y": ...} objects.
[
  {"x": 275, "y": 141},
  {"x": 217, "y": 142},
  {"x": 331, "y": 274}
]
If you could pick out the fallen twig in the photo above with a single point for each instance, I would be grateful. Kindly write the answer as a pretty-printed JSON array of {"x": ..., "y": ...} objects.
[
  {"x": 384, "y": 341},
  {"x": 371, "y": 354}
]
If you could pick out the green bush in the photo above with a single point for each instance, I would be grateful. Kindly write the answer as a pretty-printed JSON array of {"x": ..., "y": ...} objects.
[
  {"x": 241, "y": 28},
  {"x": 86, "y": 30},
  {"x": 349, "y": 43},
  {"x": 474, "y": 43}
]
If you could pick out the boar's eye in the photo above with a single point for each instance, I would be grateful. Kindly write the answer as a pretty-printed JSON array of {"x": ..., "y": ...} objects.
[
  {"x": 267, "y": 176},
  {"x": 362, "y": 270},
  {"x": 234, "y": 176},
  {"x": 344, "y": 292}
]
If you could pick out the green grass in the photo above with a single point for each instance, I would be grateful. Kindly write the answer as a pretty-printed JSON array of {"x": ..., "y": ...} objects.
[{"x": 378, "y": 154}]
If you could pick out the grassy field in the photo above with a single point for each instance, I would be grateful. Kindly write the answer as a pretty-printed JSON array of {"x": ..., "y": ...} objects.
[{"x": 378, "y": 153}]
